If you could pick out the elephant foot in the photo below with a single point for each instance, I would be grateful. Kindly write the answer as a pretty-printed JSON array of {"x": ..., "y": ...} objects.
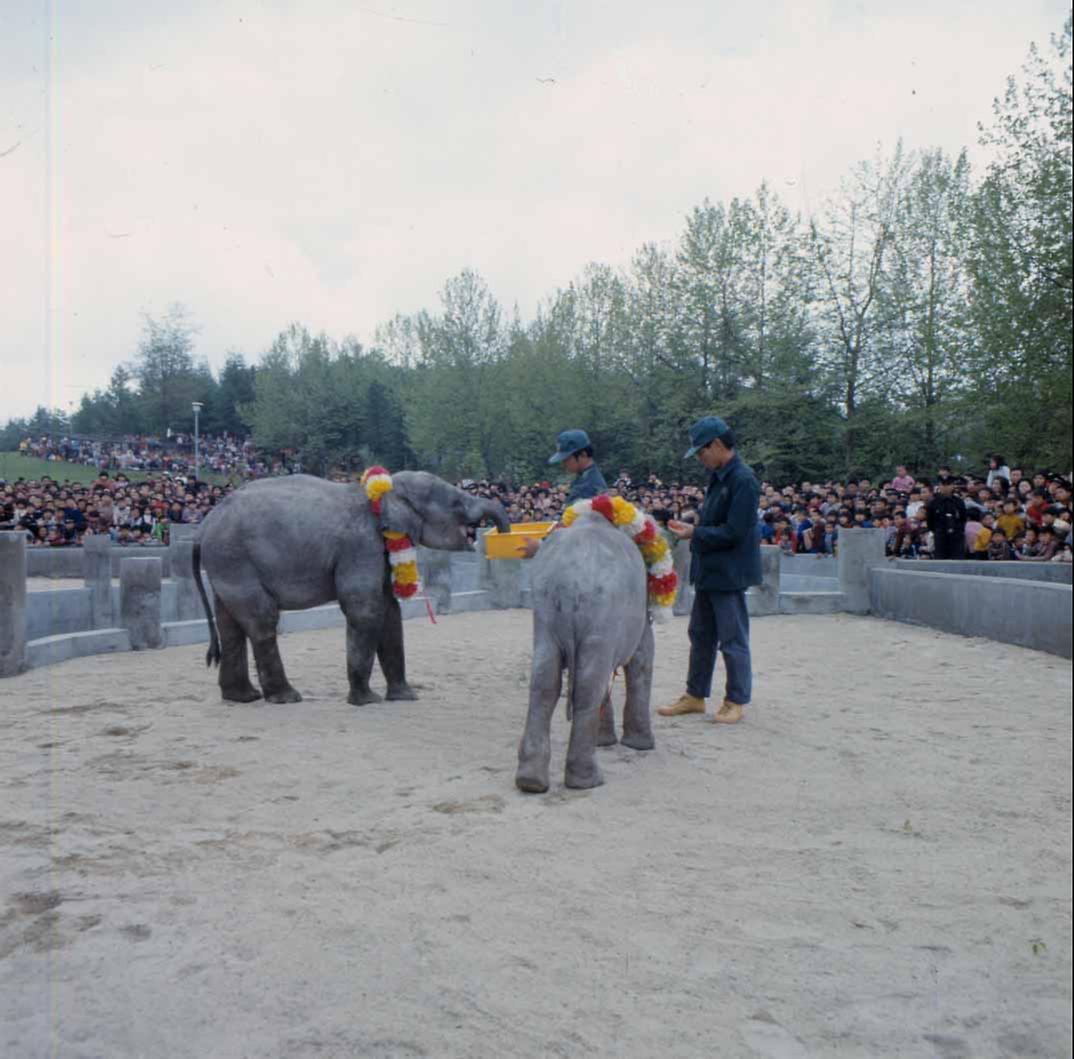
[
  {"x": 247, "y": 694},
  {"x": 531, "y": 781},
  {"x": 363, "y": 698},
  {"x": 401, "y": 692},
  {"x": 639, "y": 740},
  {"x": 583, "y": 779},
  {"x": 607, "y": 739},
  {"x": 284, "y": 695},
  {"x": 532, "y": 774}
]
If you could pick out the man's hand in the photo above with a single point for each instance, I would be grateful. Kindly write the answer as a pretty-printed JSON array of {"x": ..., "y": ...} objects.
[
  {"x": 683, "y": 530},
  {"x": 530, "y": 547}
]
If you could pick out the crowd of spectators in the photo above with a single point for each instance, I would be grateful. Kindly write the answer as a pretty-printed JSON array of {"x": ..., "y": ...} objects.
[
  {"x": 1006, "y": 514},
  {"x": 56, "y": 514},
  {"x": 225, "y": 454},
  {"x": 1009, "y": 513},
  {"x": 544, "y": 501}
]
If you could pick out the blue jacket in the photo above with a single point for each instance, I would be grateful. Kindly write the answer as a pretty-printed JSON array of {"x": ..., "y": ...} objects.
[
  {"x": 725, "y": 550},
  {"x": 588, "y": 484}
]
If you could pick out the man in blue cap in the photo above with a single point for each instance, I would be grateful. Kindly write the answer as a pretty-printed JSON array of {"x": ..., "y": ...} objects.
[
  {"x": 575, "y": 452},
  {"x": 725, "y": 560}
]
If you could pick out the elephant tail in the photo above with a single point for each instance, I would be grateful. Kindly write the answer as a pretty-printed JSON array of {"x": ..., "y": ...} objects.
[
  {"x": 212, "y": 656},
  {"x": 568, "y": 664}
]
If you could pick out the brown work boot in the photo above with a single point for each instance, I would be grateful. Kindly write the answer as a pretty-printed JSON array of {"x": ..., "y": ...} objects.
[
  {"x": 729, "y": 713},
  {"x": 686, "y": 703}
]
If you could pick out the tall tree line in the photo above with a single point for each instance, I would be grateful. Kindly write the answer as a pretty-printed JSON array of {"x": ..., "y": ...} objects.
[{"x": 922, "y": 314}]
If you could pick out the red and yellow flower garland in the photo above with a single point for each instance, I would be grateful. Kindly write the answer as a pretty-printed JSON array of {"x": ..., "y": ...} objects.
[
  {"x": 402, "y": 557},
  {"x": 663, "y": 582}
]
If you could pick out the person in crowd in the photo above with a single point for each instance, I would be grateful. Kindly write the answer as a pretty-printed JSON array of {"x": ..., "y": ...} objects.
[
  {"x": 998, "y": 469},
  {"x": 947, "y": 521},
  {"x": 902, "y": 482},
  {"x": 725, "y": 560},
  {"x": 1028, "y": 546},
  {"x": 1051, "y": 542},
  {"x": 1012, "y": 524},
  {"x": 973, "y": 528},
  {"x": 998, "y": 548},
  {"x": 979, "y": 549}
]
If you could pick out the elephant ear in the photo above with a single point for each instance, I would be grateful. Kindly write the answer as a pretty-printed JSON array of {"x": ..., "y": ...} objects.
[{"x": 397, "y": 515}]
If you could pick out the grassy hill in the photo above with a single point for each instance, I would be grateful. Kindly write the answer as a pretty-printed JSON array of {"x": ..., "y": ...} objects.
[{"x": 13, "y": 465}]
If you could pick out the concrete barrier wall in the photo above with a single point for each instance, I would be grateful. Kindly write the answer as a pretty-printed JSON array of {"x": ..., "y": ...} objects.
[
  {"x": 1053, "y": 573},
  {"x": 60, "y": 611},
  {"x": 54, "y": 562},
  {"x": 810, "y": 565},
  {"x": 1027, "y": 613},
  {"x": 62, "y": 563}
]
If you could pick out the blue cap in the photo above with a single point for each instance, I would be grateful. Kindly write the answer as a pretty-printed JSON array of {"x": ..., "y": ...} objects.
[
  {"x": 568, "y": 443},
  {"x": 705, "y": 430}
]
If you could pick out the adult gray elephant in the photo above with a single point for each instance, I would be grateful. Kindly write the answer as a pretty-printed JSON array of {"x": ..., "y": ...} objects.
[
  {"x": 297, "y": 542},
  {"x": 590, "y": 616}
]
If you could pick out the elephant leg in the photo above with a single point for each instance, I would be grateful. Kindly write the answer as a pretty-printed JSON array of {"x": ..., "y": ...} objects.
[
  {"x": 590, "y": 686},
  {"x": 274, "y": 683},
  {"x": 258, "y": 615},
  {"x": 235, "y": 683},
  {"x": 606, "y": 727},
  {"x": 364, "y": 631},
  {"x": 390, "y": 651},
  {"x": 637, "y": 718},
  {"x": 535, "y": 748}
]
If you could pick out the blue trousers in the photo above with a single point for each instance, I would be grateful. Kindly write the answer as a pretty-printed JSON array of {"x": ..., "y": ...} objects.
[{"x": 720, "y": 622}]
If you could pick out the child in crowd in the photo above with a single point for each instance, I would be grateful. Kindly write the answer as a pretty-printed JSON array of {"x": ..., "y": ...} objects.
[{"x": 998, "y": 549}]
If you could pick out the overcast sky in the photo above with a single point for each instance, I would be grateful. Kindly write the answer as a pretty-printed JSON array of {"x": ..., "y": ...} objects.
[{"x": 334, "y": 163}]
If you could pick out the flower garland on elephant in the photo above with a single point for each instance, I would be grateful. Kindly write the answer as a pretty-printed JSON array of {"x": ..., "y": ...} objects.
[
  {"x": 662, "y": 580},
  {"x": 402, "y": 557}
]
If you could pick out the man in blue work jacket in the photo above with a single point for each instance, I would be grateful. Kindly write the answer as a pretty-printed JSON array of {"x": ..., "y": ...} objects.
[
  {"x": 575, "y": 451},
  {"x": 725, "y": 560}
]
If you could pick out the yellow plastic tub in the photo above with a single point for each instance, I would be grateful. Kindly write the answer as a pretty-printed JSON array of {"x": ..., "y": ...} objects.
[{"x": 509, "y": 545}]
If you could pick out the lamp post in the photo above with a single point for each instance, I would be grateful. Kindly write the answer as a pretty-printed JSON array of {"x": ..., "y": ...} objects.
[{"x": 197, "y": 406}]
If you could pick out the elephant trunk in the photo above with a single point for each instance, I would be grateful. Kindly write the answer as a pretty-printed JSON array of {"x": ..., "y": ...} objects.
[{"x": 476, "y": 510}]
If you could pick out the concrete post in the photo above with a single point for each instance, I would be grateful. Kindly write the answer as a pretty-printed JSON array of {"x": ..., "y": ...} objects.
[
  {"x": 505, "y": 582},
  {"x": 177, "y": 533},
  {"x": 435, "y": 568},
  {"x": 12, "y": 603},
  {"x": 680, "y": 558},
  {"x": 859, "y": 551},
  {"x": 139, "y": 601},
  {"x": 501, "y": 578},
  {"x": 765, "y": 596},
  {"x": 484, "y": 564},
  {"x": 181, "y": 536},
  {"x": 187, "y": 601},
  {"x": 97, "y": 576}
]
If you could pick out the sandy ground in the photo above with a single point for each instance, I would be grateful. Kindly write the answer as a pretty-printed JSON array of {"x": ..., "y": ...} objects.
[{"x": 877, "y": 863}]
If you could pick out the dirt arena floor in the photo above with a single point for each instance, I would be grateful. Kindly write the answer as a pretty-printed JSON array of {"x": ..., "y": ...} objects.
[{"x": 876, "y": 863}]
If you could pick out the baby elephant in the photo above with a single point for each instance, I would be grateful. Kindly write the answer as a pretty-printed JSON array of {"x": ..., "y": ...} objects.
[{"x": 590, "y": 616}]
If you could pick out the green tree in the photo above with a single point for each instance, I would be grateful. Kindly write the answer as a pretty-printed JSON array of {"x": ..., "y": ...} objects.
[
  {"x": 851, "y": 244},
  {"x": 168, "y": 379},
  {"x": 234, "y": 388},
  {"x": 927, "y": 339},
  {"x": 1021, "y": 263}
]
